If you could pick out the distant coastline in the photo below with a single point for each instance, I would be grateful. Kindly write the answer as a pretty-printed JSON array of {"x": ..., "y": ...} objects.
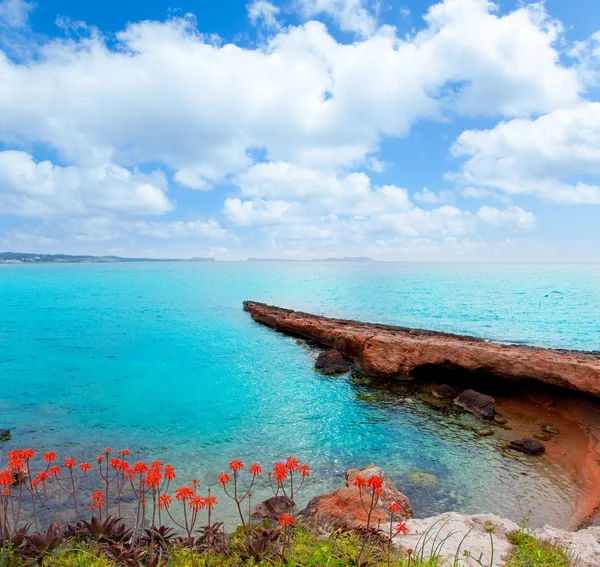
[
  {"x": 28, "y": 258},
  {"x": 31, "y": 258}
]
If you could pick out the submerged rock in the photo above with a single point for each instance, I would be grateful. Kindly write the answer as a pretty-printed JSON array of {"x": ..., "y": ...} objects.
[
  {"x": 5, "y": 435},
  {"x": 271, "y": 509},
  {"x": 478, "y": 404},
  {"x": 528, "y": 445},
  {"x": 483, "y": 431},
  {"x": 543, "y": 436},
  {"x": 444, "y": 392},
  {"x": 332, "y": 362},
  {"x": 343, "y": 509},
  {"x": 423, "y": 479},
  {"x": 550, "y": 429},
  {"x": 500, "y": 419}
]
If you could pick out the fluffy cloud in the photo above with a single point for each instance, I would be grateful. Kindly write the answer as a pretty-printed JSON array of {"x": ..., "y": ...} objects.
[
  {"x": 537, "y": 157},
  {"x": 350, "y": 15},
  {"x": 261, "y": 11},
  {"x": 15, "y": 13},
  {"x": 44, "y": 190},
  {"x": 512, "y": 216}
]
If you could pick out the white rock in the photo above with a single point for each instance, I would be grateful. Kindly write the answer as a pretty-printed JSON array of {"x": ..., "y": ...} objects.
[
  {"x": 443, "y": 535},
  {"x": 583, "y": 545}
]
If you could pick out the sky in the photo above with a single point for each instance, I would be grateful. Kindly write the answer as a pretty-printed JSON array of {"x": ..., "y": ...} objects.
[{"x": 457, "y": 130}]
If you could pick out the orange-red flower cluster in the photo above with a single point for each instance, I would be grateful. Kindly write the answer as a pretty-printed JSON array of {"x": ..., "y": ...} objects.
[{"x": 286, "y": 520}]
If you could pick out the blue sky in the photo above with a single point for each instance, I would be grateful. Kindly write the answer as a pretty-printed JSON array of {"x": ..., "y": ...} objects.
[{"x": 454, "y": 130}]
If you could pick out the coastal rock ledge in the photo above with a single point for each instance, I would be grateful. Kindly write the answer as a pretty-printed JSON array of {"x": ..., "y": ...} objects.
[{"x": 395, "y": 352}]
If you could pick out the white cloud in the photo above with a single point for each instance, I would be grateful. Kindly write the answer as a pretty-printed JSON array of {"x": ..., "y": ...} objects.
[
  {"x": 43, "y": 189},
  {"x": 261, "y": 11},
  {"x": 431, "y": 197},
  {"x": 255, "y": 213},
  {"x": 537, "y": 157},
  {"x": 15, "y": 13},
  {"x": 180, "y": 229},
  {"x": 350, "y": 15},
  {"x": 514, "y": 217}
]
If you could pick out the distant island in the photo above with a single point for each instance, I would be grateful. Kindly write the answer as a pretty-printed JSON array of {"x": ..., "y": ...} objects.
[
  {"x": 343, "y": 259},
  {"x": 27, "y": 258}
]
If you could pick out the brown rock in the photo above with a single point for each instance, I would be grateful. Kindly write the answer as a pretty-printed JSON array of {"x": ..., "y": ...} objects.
[
  {"x": 343, "y": 509},
  {"x": 271, "y": 509},
  {"x": 394, "y": 352},
  {"x": 443, "y": 391},
  {"x": 529, "y": 446},
  {"x": 478, "y": 404},
  {"x": 332, "y": 362}
]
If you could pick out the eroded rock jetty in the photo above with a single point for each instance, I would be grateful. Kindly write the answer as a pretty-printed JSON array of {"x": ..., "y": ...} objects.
[{"x": 396, "y": 352}]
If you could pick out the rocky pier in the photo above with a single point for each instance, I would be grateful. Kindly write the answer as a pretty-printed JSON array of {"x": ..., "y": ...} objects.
[{"x": 397, "y": 352}]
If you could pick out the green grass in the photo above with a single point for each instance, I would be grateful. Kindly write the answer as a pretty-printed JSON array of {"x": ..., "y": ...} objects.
[
  {"x": 307, "y": 550},
  {"x": 530, "y": 552}
]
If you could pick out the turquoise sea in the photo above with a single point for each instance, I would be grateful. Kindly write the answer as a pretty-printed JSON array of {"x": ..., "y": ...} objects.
[{"x": 160, "y": 358}]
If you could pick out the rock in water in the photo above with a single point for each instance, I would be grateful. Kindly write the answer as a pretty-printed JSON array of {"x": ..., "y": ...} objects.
[
  {"x": 271, "y": 509},
  {"x": 478, "y": 404},
  {"x": 5, "y": 435},
  {"x": 332, "y": 362},
  {"x": 443, "y": 391},
  {"x": 528, "y": 445},
  {"x": 343, "y": 509}
]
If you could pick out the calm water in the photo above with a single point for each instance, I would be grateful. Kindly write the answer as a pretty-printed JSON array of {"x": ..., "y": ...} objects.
[{"x": 160, "y": 358}]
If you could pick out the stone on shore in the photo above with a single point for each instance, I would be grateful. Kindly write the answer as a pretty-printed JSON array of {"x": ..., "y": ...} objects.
[
  {"x": 528, "y": 445},
  {"x": 480, "y": 405},
  {"x": 5, "y": 435},
  {"x": 444, "y": 392},
  {"x": 332, "y": 362},
  {"x": 271, "y": 509},
  {"x": 343, "y": 509}
]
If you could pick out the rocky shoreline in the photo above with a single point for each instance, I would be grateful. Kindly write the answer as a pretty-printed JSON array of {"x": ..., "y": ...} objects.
[{"x": 396, "y": 352}]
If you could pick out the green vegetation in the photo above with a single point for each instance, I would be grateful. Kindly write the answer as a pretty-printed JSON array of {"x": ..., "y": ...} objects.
[
  {"x": 307, "y": 550},
  {"x": 530, "y": 552}
]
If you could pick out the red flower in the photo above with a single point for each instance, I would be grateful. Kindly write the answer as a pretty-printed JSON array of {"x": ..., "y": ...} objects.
[
  {"x": 153, "y": 478},
  {"x": 305, "y": 470},
  {"x": 108, "y": 451},
  {"x": 116, "y": 463},
  {"x": 124, "y": 452},
  {"x": 197, "y": 503},
  {"x": 164, "y": 501},
  {"x": 50, "y": 456},
  {"x": 184, "y": 493},
  {"x": 255, "y": 469},
  {"x": 140, "y": 468},
  {"x": 156, "y": 465},
  {"x": 6, "y": 477},
  {"x": 292, "y": 464},
  {"x": 224, "y": 478},
  {"x": 360, "y": 481},
  {"x": 54, "y": 471},
  {"x": 98, "y": 498},
  {"x": 286, "y": 520},
  {"x": 401, "y": 528},
  {"x": 28, "y": 454},
  {"x": 210, "y": 502},
  {"x": 375, "y": 482},
  {"x": 69, "y": 463},
  {"x": 100, "y": 458},
  {"x": 14, "y": 455},
  {"x": 170, "y": 472},
  {"x": 280, "y": 472},
  {"x": 6, "y": 492},
  {"x": 85, "y": 467},
  {"x": 40, "y": 477},
  {"x": 395, "y": 507},
  {"x": 16, "y": 465},
  {"x": 236, "y": 465}
]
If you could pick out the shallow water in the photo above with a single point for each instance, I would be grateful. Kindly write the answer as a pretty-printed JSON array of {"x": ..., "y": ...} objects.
[{"x": 160, "y": 358}]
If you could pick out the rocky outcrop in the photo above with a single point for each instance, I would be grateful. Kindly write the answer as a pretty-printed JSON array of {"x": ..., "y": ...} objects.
[
  {"x": 395, "y": 352},
  {"x": 444, "y": 392},
  {"x": 271, "y": 509},
  {"x": 472, "y": 534},
  {"x": 480, "y": 405},
  {"x": 331, "y": 362},
  {"x": 529, "y": 446},
  {"x": 343, "y": 509},
  {"x": 5, "y": 435}
]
